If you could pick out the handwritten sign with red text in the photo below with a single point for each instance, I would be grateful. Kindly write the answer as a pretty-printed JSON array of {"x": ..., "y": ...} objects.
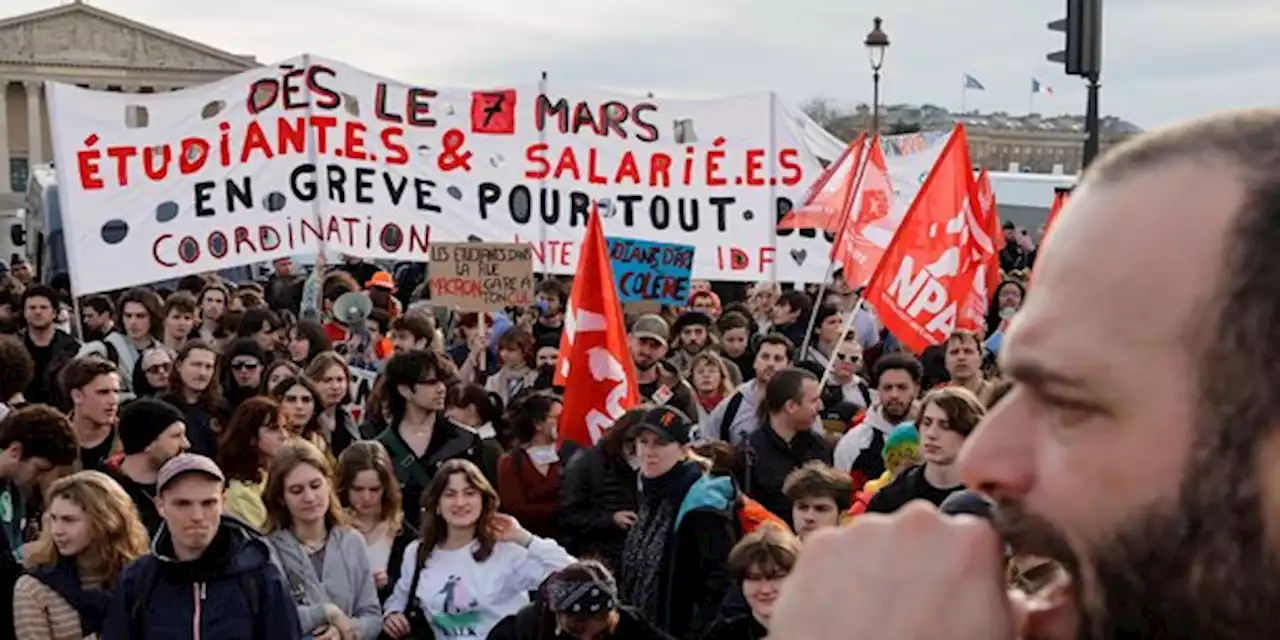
[{"x": 481, "y": 276}]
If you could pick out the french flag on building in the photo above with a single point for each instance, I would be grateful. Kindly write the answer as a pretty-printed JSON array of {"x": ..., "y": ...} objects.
[{"x": 1040, "y": 87}]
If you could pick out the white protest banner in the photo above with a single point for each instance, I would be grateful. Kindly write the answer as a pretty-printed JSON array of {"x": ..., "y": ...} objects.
[{"x": 279, "y": 160}]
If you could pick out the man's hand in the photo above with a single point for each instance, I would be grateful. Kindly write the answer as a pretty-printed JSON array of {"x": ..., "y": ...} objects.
[{"x": 915, "y": 574}]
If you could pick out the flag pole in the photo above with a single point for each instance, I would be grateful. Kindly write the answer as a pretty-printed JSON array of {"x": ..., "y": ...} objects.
[
  {"x": 964, "y": 94},
  {"x": 844, "y": 335}
]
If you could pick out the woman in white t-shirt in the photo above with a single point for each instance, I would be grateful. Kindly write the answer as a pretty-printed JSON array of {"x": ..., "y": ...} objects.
[{"x": 477, "y": 565}]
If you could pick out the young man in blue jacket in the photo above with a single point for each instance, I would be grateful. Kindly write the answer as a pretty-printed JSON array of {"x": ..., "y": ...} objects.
[{"x": 207, "y": 576}]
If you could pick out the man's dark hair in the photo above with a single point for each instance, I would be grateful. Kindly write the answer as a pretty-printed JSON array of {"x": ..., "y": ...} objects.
[
  {"x": 417, "y": 324},
  {"x": 553, "y": 287},
  {"x": 100, "y": 305},
  {"x": 382, "y": 318},
  {"x": 78, "y": 373},
  {"x": 182, "y": 301},
  {"x": 898, "y": 362},
  {"x": 797, "y": 300},
  {"x": 254, "y": 318},
  {"x": 43, "y": 432},
  {"x": 214, "y": 286},
  {"x": 778, "y": 339},
  {"x": 150, "y": 300},
  {"x": 815, "y": 479},
  {"x": 410, "y": 369},
  {"x": 785, "y": 386},
  {"x": 17, "y": 369},
  {"x": 963, "y": 335},
  {"x": 40, "y": 291}
]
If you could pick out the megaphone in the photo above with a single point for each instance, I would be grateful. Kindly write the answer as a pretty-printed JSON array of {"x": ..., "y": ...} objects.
[{"x": 352, "y": 308}]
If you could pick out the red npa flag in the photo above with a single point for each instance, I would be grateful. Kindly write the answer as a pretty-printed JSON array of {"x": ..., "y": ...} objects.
[
  {"x": 594, "y": 364},
  {"x": 928, "y": 270}
]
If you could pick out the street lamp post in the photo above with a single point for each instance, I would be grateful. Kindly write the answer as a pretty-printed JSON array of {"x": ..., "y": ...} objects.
[{"x": 877, "y": 42}]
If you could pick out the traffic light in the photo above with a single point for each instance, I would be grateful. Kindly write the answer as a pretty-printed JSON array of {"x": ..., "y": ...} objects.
[{"x": 1083, "y": 28}]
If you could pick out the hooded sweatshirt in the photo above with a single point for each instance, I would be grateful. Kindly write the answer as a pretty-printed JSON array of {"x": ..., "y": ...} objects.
[
  {"x": 207, "y": 598},
  {"x": 858, "y": 451}
]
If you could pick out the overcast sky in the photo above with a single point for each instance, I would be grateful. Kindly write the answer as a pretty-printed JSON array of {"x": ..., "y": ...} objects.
[{"x": 1163, "y": 59}]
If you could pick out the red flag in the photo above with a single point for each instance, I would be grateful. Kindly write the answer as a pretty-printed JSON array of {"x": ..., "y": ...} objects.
[
  {"x": 594, "y": 365},
  {"x": 929, "y": 267},
  {"x": 870, "y": 207},
  {"x": 828, "y": 198},
  {"x": 988, "y": 245}
]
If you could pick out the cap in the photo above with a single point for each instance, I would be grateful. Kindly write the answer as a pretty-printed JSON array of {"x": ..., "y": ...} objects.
[
  {"x": 668, "y": 422},
  {"x": 185, "y": 463},
  {"x": 652, "y": 326},
  {"x": 382, "y": 280},
  {"x": 143, "y": 420}
]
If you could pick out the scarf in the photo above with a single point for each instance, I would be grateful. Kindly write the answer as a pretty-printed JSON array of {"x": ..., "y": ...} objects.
[
  {"x": 644, "y": 554},
  {"x": 64, "y": 579},
  {"x": 709, "y": 402}
]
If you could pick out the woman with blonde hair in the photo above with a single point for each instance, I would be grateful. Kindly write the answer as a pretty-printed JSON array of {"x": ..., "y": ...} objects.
[
  {"x": 711, "y": 382},
  {"x": 471, "y": 567},
  {"x": 91, "y": 532},
  {"x": 330, "y": 374},
  {"x": 368, "y": 489},
  {"x": 324, "y": 561}
]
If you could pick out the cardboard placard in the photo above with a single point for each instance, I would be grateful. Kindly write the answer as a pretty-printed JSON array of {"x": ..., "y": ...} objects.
[{"x": 481, "y": 276}]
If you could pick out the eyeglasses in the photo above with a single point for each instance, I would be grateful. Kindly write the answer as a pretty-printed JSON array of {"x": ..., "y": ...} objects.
[
  {"x": 159, "y": 368},
  {"x": 431, "y": 382}
]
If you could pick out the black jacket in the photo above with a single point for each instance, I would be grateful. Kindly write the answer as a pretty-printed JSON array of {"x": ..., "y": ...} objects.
[
  {"x": 535, "y": 622},
  {"x": 765, "y": 460},
  {"x": 44, "y": 387},
  {"x": 739, "y": 627},
  {"x": 449, "y": 440},
  {"x": 592, "y": 488}
]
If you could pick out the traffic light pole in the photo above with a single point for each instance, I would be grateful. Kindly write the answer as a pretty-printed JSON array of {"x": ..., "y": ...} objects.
[{"x": 1091, "y": 123}]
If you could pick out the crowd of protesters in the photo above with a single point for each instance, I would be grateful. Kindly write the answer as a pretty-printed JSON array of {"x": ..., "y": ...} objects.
[{"x": 194, "y": 464}]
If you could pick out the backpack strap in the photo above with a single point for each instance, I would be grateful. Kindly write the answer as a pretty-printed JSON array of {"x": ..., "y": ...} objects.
[
  {"x": 730, "y": 412},
  {"x": 866, "y": 394},
  {"x": 406, "y": 462}
]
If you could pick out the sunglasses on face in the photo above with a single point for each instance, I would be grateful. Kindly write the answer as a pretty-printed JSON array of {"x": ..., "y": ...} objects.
[
  {"x": 845, "y": 357},
  {"x": 245, "y": 366},
  {"x": 159, "y": 368}
]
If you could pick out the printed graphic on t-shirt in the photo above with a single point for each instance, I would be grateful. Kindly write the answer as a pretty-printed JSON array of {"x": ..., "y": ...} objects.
[{"x": 456, "y": 613}]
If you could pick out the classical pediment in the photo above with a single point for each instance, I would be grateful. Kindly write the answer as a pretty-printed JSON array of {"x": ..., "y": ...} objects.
[{"x": 79, "y": 34}]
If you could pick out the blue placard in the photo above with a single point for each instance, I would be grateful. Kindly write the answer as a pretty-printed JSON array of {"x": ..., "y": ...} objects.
[{"x": 651, "y": 271}]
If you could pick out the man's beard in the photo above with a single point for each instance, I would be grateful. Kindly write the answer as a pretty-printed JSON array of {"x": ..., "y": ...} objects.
[
  {"x": 895, "y": 414},
  {"x": 1196, "y": 567}
]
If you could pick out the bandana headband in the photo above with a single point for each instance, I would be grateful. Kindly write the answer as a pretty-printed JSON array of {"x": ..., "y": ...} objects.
[{"x": 581, "y": 597}]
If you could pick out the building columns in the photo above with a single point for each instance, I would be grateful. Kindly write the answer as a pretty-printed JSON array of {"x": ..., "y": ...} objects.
[
  {"x": 5, "y": 180},
  {"x": 35, "y": 130}
]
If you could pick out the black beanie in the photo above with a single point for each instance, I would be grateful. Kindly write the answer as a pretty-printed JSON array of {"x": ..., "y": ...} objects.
[{"x": 143, "y": 420}]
